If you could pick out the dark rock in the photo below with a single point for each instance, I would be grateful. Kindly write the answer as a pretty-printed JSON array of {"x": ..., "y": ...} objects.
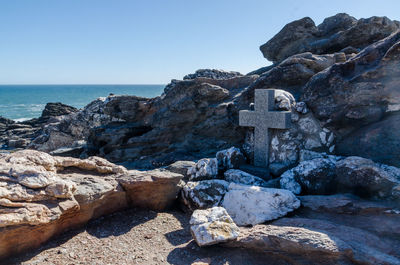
[
  {"x": 56, "y": 109},
  {"x": 332, "y": 35},
  {"x": 289, "y": 39},
  {"x": 203, "y": 194},
  {"x": 315, "y": 176},
  {"x": 256, "y": 171},
  {"x": 379, "y": 141},
  {"x": 230, "y": 158},
  {"x": 296, "y": 71},
  {"x": 365, "y": 178},
  {"x": 361, "y": 90},
  {"x": 181, "y": 167},
  {"x": 192, "y": 119},
  {"x": 212, "y": 73}
]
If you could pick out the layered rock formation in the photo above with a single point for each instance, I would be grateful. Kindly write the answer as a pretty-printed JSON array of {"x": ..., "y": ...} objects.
[{"x": 42, "y": 196}]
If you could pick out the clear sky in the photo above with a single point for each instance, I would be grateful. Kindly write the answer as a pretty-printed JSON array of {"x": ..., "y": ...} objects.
[{"x": 148, "y": 41}]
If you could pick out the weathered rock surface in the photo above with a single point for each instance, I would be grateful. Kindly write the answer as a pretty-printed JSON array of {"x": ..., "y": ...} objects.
[
  {"x": 332, "y": 35},
  {"x": 378, "y": 141},
  {"x": 332, "y": 174},
  {"x": 346, "y": 204},
  {"x": 291, "y": 240},
  {"x": 182, "y": 167},
  {"x": 365, "y": 247},
  {"x": 332, "y": 229},
  {"x": 352, "y": 96},
  {"x": 206, "y": 168},
  {"x": 294, "y": 72},
  {"x": 230, "y": 158},
  {"x": 316, "y": 176},
  {"x": 20, "y": 134},
  {"x": 66, "y": 131},
  {"x": 155, "y": 189},
  {"x": 203, "y": 194},
  {"x": 192, "y": 119},
  {"x": 42, "y": 195},
  {"x": 251, "y": 205},
  {"x": 212, "y": 73},
  {"x": 241, "y": 177},
  {"x": 212, "y": 226},
  {"x": 365, "y": 178}
]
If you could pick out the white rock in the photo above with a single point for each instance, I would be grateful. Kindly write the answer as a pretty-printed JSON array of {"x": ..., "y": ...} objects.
[
  {"x": 332, "y": 148},
  {"x": 330, "y": 139},
  {"x": 251, "y": 205},
  {"x": 206, "y": 168},
  {"x": 322, "y": 135},
  {"x": 241, "y": 177},
  {"x": 212, "y": 226},
  {"x": 288, "y": 182}
]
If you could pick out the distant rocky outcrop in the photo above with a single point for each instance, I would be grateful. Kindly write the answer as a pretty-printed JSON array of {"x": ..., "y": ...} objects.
[{"x": 20, "y": 134}]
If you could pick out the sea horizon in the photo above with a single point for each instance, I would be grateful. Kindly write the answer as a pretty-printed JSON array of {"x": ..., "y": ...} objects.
[{"x": 21, "y": 102}]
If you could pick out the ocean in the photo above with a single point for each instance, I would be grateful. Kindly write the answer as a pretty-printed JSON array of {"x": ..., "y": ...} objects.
[{"x": 22, "y": 102}]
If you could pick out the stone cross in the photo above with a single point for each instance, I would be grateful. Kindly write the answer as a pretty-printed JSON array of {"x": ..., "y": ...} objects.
[{"x": 262, "y": 119}]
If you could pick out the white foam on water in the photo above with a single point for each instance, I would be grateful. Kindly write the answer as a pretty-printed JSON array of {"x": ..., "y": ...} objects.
[{"x": 21, "y": 119}]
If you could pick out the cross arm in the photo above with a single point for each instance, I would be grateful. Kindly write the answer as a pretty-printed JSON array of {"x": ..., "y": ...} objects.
[
  {"x": 247, "y": 118},
  {"x": 278, "y": 119}
]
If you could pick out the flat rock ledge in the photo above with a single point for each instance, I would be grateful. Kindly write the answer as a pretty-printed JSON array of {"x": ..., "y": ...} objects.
[
  {"x": 291, "y": 240},
  {"x": 43, "y": 195}
]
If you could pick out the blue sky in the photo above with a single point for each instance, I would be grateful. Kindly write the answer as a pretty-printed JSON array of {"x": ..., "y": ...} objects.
[{"x": 148, "y": 42}]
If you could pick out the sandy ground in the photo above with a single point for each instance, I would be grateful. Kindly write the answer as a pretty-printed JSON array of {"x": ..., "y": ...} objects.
[{"x": 136, "y": 237}]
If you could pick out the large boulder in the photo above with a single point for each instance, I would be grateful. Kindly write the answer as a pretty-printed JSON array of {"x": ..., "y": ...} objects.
[
  {"x": 182, "y": 167},
  {"x": 251, "y": 205},
  {"x": 155, "y": 189},
  {"x": 55, "y": 110},
  {"x": 230, "y": 158},
  {"x": 352, "y": 92},
  {"x": 379, "y": 141},
  {"x": 357, "y": 245},
  {"x": 359, "y": 101},
  {"x": 42, "y": 196},
  {"x": 15, "y": 135},
  {"x": 212, "y": 226},
  {"x": 203, "y": 194},
  {"x": 206, "y": 168},
  {"x": 316, "y": 176},
  {"x": 332, "y": 35},
  {"x": 291, "y": 241},
  {"x": 330, "y": 229},
  {"x": 294, "y": 72},
  {"x": 365, "y": 178},
  {"x": 329, "y": 174}
]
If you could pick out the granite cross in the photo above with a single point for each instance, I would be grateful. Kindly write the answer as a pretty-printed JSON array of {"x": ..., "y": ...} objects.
[{"x": 262, "y": 119}]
